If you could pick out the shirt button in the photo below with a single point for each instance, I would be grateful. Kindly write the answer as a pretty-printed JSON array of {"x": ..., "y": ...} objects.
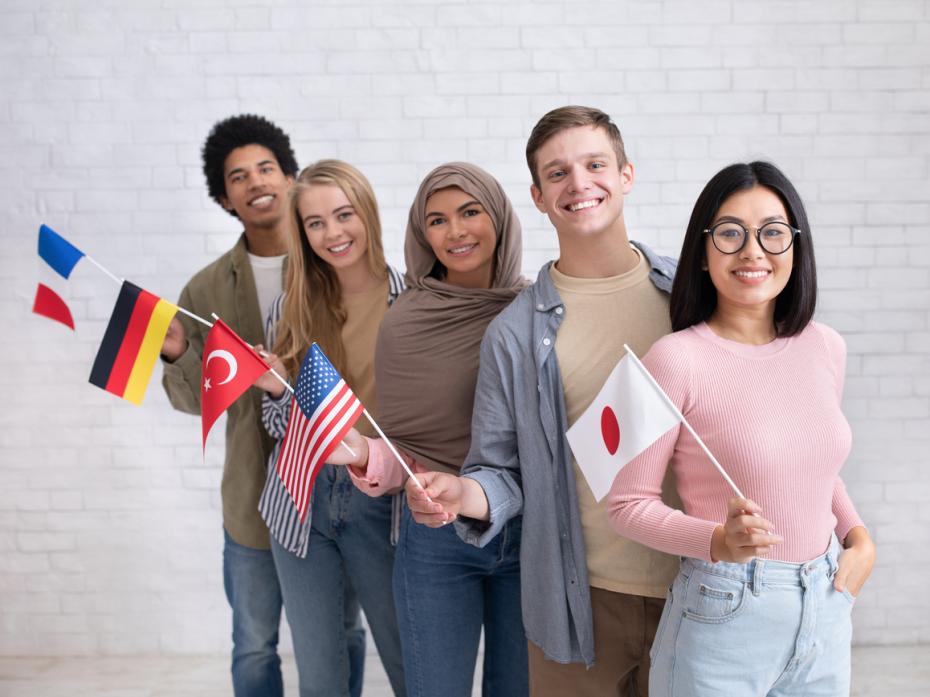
[
  {"x": 546, "y": 341},
  {"x": 540, "y": 306},
  {"x": 558, "y": 310}
]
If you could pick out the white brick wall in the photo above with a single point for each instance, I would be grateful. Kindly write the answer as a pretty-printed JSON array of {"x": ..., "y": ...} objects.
[{"x": 109, "y": 519}]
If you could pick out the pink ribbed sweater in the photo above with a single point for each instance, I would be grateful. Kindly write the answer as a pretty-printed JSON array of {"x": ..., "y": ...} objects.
[{"x": 771, "y": 416}]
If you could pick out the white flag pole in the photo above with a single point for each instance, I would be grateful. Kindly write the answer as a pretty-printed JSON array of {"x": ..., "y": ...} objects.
[
  {"x": 683, "y": 420},
  {"x": 120, "y": 281},
  {"x": 193, "y": 316},
  {"x": 116, "y": 279},
  {"x": 390, "y": 445}
]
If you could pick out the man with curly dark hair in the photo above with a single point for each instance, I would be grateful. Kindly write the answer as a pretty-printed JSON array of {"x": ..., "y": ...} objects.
[{"x": 249, "y": 166}]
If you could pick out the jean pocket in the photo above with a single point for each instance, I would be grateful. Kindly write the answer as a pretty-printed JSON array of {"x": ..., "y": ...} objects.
[
  {"x": 715, "y": 599},
  {"x": 849, "y": 596}
]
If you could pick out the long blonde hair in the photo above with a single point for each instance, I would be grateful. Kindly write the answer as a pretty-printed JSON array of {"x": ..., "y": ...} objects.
[{"x": 313, "y": 308}]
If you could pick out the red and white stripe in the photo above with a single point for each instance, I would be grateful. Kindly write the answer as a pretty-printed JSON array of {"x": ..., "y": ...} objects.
[{"x": 308, "y": 442}]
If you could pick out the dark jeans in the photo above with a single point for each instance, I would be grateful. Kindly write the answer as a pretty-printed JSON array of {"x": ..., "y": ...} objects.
[{"x": 445, "y": 590}]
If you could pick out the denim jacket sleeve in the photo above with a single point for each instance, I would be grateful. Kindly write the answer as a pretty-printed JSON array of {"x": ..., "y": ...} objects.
[{"x": 493, "y": 459}]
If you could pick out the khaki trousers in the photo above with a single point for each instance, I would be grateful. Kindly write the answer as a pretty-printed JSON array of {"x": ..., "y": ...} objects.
[{"x": 624, "y": 627}]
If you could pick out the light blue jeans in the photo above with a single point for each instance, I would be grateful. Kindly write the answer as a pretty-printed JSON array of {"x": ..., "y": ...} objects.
[
  {"x": 762, "y": 629},
  {"x": 349, "y": 561},
  {"x": 251, "y": 585}
]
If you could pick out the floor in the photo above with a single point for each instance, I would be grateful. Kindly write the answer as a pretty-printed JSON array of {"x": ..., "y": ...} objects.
[{"x": 887, "y": 671}]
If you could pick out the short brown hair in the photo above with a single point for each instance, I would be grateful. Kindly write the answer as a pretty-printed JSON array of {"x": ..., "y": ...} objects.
[{"x": 566, "y": 117}]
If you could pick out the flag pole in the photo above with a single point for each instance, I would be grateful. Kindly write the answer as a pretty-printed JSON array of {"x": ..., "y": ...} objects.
[
  {"x": 193, "y": 316},
  {"x": 684, "y": 421},
  {"x": 390, "y": 445},
  {"x": 119, "y": 281}
]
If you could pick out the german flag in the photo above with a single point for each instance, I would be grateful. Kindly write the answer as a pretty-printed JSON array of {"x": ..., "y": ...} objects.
[{"x": 132, "y": 343}]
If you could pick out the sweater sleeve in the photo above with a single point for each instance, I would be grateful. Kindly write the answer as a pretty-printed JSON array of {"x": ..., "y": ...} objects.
[
  {"x": 847, "y": 517},
  {"x": 383, "y": 475},
  {"x": 635, "y": 503}
]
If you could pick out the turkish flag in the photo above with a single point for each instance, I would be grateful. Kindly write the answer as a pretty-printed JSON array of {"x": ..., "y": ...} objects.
[{"x": 230, "y": 366}]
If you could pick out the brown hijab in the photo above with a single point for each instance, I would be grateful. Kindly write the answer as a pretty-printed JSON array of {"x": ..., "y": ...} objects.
[{"x": 426, "y": 363}]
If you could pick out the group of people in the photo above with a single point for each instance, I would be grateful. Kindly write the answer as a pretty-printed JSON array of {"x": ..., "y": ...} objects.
[{"x": 668, "y": 586}]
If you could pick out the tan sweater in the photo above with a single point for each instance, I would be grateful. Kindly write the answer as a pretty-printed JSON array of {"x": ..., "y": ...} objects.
[
  {"x": 365, "y": 311},
  {"x": 601, "y": 314}
]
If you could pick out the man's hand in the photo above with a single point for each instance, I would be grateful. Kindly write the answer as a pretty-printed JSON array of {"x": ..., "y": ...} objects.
[
  {"x": 175, "y": 341},
  {"x": 438, "y": 502}
]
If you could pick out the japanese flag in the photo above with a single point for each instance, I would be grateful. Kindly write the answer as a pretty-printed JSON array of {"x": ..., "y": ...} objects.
[{"x": 628, "y": 415}]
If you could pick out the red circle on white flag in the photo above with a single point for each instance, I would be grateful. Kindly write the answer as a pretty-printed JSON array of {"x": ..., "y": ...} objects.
[{"x": 610, "y": 430}]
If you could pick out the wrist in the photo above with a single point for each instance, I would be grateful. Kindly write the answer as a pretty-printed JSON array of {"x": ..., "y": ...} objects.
[
  {"x": 858, "y": 538},
  {"x": 718, "y": 545},
  {"x": 474, "y": 502}
]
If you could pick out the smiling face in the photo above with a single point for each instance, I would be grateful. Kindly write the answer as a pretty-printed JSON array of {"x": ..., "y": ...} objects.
[
  {"x": 255, "y": 186},
  {"x": 462, "y": 236},
  {"x": 333, "y": 227},
  {"x": 750, "y": 278},
  {"x": 581, "y": 184}
]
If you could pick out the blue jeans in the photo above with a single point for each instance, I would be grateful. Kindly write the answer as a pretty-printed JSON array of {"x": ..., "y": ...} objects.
[
  {"x": 252, "y": 590},
  {"x": 445, "y": 590},
  {"x": 349, "y": 562},
  {"x": 762, "y": 629}
]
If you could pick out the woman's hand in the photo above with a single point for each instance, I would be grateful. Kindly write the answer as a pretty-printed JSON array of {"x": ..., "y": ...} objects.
[
  {"x": 744, "y": 535},
  {"x": 438, "y": 501},
  {"x": 359, "y": 455},
  {"x": 855, "y": 564},
  {"x": 268, "y": 381}
]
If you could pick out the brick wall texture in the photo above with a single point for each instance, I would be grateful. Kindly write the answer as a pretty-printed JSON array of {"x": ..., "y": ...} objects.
[{"x": 110, "y": 531}]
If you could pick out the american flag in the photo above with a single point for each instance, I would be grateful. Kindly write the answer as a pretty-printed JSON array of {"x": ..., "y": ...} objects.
[{"x": 322, "y": 412}]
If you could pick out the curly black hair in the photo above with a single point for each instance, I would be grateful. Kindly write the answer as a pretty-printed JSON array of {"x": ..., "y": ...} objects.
[{"x": 236, "y": 132}]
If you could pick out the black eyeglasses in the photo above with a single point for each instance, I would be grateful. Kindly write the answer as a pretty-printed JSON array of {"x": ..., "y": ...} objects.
[{"x": 729, "y": 237}]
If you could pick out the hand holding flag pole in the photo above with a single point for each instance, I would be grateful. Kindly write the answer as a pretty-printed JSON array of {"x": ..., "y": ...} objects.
[{"x": 684, "y": 421}]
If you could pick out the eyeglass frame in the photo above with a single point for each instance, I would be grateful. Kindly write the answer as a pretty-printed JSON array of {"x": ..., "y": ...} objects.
[{"x": 746, "y": 230}]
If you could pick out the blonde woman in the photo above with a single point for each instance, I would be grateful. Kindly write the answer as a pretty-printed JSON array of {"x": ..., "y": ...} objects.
[{"x": 337, "y": 289}]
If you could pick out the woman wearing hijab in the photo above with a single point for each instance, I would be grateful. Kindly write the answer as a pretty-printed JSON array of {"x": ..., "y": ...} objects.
[{"x": 463, "y": 254}]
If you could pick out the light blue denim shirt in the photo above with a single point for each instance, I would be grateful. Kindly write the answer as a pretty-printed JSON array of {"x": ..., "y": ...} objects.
[{"x": 522, "y": 460}]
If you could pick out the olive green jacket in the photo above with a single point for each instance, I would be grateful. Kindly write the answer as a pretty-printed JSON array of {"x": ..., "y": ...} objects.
[{"x": 227, "y": 287}]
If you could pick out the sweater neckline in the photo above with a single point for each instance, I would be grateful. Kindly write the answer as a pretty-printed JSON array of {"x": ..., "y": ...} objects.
[{"x": 776, "y": 346}]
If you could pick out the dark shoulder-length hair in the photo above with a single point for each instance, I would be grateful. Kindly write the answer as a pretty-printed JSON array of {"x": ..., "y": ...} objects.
[{"x": 694, "y": 297}]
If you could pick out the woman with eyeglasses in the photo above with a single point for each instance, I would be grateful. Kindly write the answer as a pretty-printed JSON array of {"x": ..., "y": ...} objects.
[{"x": 762, "y": 603}]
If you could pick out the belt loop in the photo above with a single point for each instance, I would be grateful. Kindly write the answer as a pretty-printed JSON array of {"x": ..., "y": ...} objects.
[
  {"x": 833, "y": 557},
  {"x": 757, "y": 568}
]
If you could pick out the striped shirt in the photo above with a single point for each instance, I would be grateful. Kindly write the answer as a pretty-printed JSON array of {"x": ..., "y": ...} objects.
[{"x": 275, "y": 505}]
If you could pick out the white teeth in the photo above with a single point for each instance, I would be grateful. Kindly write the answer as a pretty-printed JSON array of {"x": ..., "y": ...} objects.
[
  {"x": 460, "y": 250},
  {"x": 583, "y": 204},
  {"x": 262, "y": 200},
  {"x": 751, "y": 274},
  {"x": 340, "y": 248}
]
